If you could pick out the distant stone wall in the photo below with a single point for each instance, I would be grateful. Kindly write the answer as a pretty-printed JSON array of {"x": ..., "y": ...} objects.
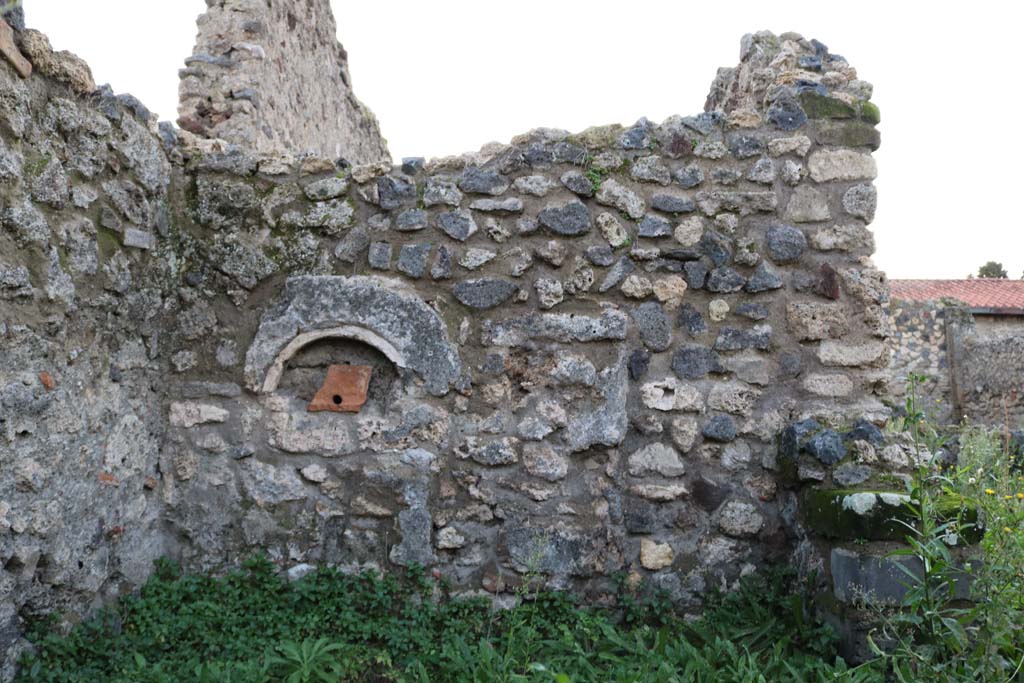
[
  {"x": 920, "y": 348},
  {"x": 589, "y": 351},
  {"x": 974, "y": 364},
  {"x": 989, "y": 373},
  {"x": 989, "y": 325},
  {"x": 272, "y": 77}
]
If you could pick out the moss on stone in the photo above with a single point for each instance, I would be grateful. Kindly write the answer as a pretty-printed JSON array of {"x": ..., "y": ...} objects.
[
  {"x": 191, "y": 197},
  {"x": 35, "y": 164},
  {"x": 598, "y": 137},
  {"x": 818, "y": 106},
  {"x": 870, "y": 113},
  {"x": 825, "y": 513},
  {"x": 109, "y": 242}
]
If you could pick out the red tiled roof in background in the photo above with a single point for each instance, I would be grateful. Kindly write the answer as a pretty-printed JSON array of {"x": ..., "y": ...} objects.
[{"x": 981, "y": 293}]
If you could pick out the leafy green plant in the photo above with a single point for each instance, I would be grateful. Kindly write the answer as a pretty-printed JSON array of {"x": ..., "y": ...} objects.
[
  {"x": 596, "y": 176},
  {"x": 930, "y": 634},
  {"x": 253, "y": 626},
  {"x": 988, "y": 478},
  {"x": 311, "y": 661}
]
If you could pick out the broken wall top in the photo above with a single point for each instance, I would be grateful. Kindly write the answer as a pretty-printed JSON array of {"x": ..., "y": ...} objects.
[
  {"x": 785, "y": 80},
  {"x": 272, "y": 78}
]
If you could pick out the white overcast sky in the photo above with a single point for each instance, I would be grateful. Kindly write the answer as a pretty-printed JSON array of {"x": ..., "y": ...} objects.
[{"x": 446, "y": 76}]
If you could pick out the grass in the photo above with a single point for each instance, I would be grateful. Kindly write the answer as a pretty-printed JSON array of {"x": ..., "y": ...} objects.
[{"x": 253, "y": 626}]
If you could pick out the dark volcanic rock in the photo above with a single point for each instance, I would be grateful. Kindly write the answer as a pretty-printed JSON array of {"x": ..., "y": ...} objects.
[
  {"x": 719, "y": 428},
  {"x": 480, "y": 181},
  {"x": 796, "y": 435},
  {"x": 639, "y": 362},
  {"x": 694, "y": 362},
  {"x": 567, "y": 220},
  {"x": 484, "y": 293},
  {"x": 655, "y": 328},
  {"x": 785, "y": 243},
  {"x": 827, "y": 446}
]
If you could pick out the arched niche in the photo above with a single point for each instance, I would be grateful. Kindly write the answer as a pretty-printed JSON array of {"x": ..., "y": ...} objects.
[
  {"x": 307, "y": 339},
  {"x": 379, "y": 312},
  {"x": 305, "y": 368}
]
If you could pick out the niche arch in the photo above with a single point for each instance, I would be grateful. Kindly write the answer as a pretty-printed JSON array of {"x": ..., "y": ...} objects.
[
  {"x": 345, "y": 332},
  {"x": 379, "y": 312}
]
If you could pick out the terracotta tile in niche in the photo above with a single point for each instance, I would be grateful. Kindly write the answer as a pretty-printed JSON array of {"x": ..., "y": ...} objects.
[{"x": 344, "y": 389}]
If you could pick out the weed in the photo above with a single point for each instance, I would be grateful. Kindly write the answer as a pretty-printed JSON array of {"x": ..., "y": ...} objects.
[
  {"x": 930, "y": 634},
  {"x": 596, "y": 176},
  {"x": 252, "y": 626}
]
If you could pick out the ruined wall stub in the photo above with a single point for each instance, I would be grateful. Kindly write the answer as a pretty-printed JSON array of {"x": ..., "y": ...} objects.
[{"x": 272, "y": 78}]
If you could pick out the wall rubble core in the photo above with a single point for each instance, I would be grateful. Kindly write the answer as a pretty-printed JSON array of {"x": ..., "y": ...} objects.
[
  {"x": 272, "y": 78},
  {"x": 582, "y": 344}
]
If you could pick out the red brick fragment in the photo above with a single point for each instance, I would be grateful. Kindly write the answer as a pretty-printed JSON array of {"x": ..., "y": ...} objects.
[{"x": 344, "y": 389}]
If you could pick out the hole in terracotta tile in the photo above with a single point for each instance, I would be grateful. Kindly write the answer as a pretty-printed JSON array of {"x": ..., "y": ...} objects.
[
  {"x": 304, "y": 374},
  {"x": 344, "y": 389}
]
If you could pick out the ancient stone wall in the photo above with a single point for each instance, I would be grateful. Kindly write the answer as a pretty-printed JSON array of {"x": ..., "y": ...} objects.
[
  {"x": 629, "y": 349},
  {"x": 272, "y": 77},
  {"x": 920, "y": 348},
  {"x": 988, "y": 364},
  {"x": 87, "y": 276},
  {"x": 973, "y": 364}
]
